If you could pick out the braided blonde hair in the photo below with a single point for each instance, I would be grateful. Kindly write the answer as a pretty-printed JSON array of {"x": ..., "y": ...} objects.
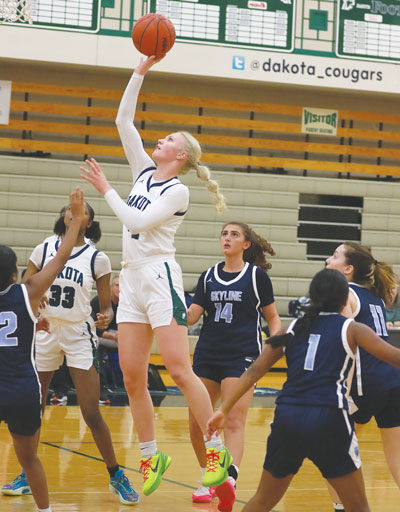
[{"x": 193, "y": 149}]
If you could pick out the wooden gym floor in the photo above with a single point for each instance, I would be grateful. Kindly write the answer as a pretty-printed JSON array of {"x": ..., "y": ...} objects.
[{"x": 78, "y": 480}]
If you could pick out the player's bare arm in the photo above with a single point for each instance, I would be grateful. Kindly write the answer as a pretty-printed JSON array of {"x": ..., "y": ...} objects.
[{"x": 38, "y": 283}]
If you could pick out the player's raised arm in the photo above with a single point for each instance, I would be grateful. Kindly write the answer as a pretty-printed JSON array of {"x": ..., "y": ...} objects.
[
  {"x": 37, "y": 284},
  {"x": 137, "y": 157},
  {"x": 365, "y": 337}
]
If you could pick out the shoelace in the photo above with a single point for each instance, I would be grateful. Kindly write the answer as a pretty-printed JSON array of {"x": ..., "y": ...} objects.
[
  {"x": 212, "y": 460},
  {"x": 19, "y": 479},
  {"x": 145, "y": 468},
  {"x": 126, "y": 485}
]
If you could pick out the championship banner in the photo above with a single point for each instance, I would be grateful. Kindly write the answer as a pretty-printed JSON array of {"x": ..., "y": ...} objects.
[
  {"x": 319, "y": 121},
  {"x": 5, "y": 100}
]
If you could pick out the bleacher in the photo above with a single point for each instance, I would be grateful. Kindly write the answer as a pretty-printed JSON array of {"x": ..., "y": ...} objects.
[
  {"x": 263, "y": 163},
  {"x": 33, "y": 190}
]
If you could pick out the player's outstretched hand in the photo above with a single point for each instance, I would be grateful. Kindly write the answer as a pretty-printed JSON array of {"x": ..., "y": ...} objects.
[
  {"x": 95, "y": 176},
  {"x": 76, "y": 201},
  {"x": 145, "y": 64},
  {"x": 215, "y": 423}
]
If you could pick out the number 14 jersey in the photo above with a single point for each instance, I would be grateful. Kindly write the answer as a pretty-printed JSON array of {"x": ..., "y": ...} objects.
[{"x": 232, "y": 303}]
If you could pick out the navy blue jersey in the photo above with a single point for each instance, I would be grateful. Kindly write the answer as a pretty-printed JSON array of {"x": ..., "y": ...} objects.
[
  {"x": 372, "y": 375},
  {"x": 232, "y": 322},
  {"x": 318, "y": 364},
  {"x": 19, "y": 383}
]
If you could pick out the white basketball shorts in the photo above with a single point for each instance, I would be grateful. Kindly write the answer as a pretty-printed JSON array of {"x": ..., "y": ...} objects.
[
  {"x": 77, "y": 341},
  {"x": 152, "y": 293}
]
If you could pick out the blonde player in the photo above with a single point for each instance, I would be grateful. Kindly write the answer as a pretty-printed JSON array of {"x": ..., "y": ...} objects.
[
  {"x": 72, "y": 334},
  {"x": 151, "y": 286}
]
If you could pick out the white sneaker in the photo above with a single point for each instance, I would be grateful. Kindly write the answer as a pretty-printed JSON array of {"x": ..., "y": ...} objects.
[
  {"x": 203, "y": 494},
  {"x": 55, "y": 400}
]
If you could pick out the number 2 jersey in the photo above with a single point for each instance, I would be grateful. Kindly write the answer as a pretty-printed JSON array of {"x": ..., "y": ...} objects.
[
  {"x": 69, "y": 295},
  {"x": 19, "y": 383},
  {"x": 232, "y": 322},
  {"x": 371, "y": 374}
]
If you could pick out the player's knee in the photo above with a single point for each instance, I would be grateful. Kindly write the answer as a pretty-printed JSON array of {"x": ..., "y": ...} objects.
[
  {"x": 234, "y": 423},
  {"x": 135, "y": 382},
  {"x": 92, "y": 417},
  {"x": 179, "y": 376},
  {"x": 28, "y": 460}
]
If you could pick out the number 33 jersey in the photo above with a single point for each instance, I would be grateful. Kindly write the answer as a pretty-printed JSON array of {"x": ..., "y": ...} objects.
[{"x": 69, "y": 295}]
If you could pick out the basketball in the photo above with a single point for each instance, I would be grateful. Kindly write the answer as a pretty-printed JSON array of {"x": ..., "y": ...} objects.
[{"x": 153, "y": 34}]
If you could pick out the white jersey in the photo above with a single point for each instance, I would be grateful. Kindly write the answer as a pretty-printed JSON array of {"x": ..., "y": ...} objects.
[
  {"x": 69, "y": 295},
  {"x": 154, "y": 209}
]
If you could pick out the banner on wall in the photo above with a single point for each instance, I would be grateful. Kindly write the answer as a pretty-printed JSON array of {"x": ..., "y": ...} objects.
[
  {"x": 319, "y": 121},
  {"x": 5, "y": 101},
  {"x": 38, "y": 44}
]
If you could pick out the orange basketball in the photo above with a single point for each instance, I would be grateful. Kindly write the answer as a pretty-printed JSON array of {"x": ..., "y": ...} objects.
[{"x": 153, "y": 34}]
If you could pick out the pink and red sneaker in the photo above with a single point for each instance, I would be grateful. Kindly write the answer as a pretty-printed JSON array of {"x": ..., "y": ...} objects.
[{"x": 226, "y": 493}]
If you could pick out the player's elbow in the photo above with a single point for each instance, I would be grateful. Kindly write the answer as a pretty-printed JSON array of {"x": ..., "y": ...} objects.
[
  {"x": 136, "y": 227},
  {"x": 122, "y": 121}
]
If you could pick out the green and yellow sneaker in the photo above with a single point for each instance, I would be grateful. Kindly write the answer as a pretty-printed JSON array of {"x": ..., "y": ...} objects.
[
  {"x": 218, "y": 462},
  {"x": 153, "y": 469}
]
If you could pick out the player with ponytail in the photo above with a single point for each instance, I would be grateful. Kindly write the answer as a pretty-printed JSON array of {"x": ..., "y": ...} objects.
[
  {"x": 375, "y": 387},
  {"x": 151, "y": 285},
  {"x": 233, "y": 295},
  {"x": 193, "y": 150},
  {"x": 311, "y": 417}
]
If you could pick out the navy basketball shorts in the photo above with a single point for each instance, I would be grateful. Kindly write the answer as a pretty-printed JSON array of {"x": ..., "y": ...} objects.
[
  {"x": 384, "y": 406},
  {"x": 324, "y": 435},
  {"x": 23, "y": 420},
  {"x": 220, "y": 370}
]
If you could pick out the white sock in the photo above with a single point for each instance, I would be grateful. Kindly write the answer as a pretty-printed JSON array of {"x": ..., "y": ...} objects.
[
  {"x": 45, "y": 509},
  {"x": 214, "y": 442},
  {"x": 202, "y": 470},
  {"x": 148, "y": 449},
  {"x": 338, "y": 506}
]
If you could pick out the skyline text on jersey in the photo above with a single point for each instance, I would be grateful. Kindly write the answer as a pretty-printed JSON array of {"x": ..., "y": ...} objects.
[{"x": 232, "y": 295}]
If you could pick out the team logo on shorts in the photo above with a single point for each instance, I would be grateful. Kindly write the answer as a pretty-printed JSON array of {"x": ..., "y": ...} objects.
[{"x": 354, "y": 451}]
